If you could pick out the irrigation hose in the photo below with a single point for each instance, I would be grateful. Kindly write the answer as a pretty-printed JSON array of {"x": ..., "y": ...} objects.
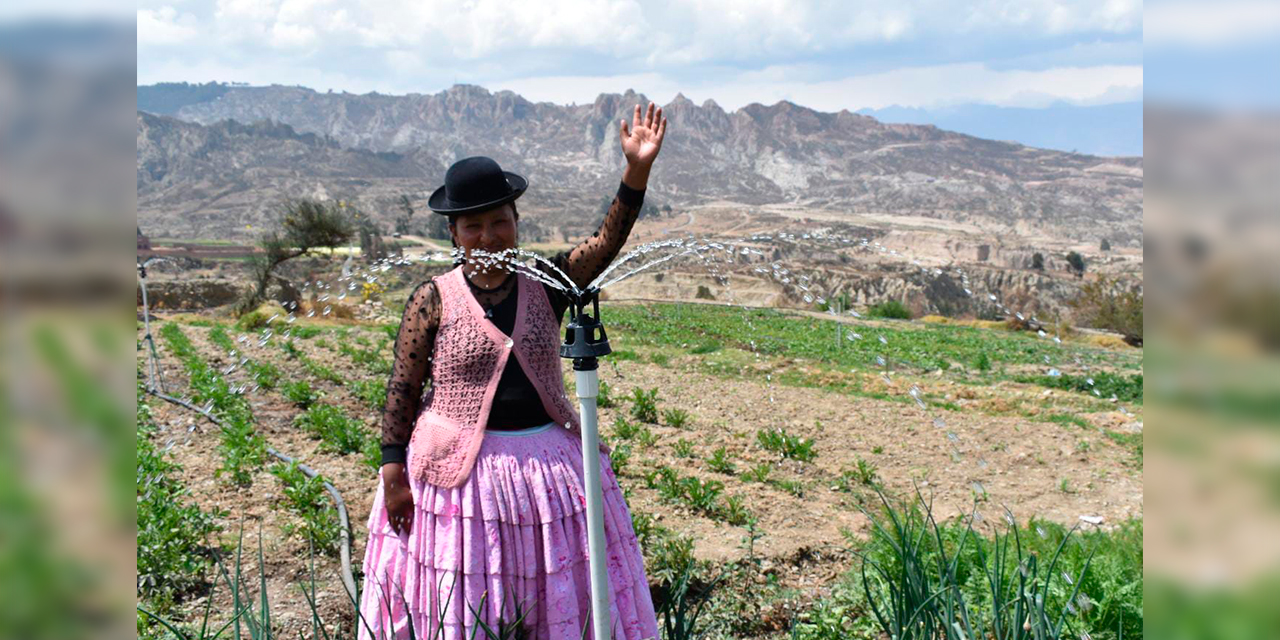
[{"x": 348, "y": 579}]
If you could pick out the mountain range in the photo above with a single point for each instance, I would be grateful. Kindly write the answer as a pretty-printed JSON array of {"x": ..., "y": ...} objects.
[{"x": 215, "y": 160}]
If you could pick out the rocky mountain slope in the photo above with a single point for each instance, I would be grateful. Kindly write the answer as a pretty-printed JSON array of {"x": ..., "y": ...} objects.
[{"x": 371, "y": 148}]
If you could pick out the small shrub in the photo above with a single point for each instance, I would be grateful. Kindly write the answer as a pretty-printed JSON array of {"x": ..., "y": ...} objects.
[
  {"x": 373, "y": 393},
  {"x": 793, "y": 487},
  {"x": 290, "y": 349},
  {"x": 758, "y": 473},
  {"x": 678, "y": 418},
  {"x": 660, "y": 359},
  {"x": 720, "y": 462},
  {"x": 626, "y": 355},
  {"x": 306, "y": 332},
  {"x": 736, "y": 513},
  {"x": 300, "y": 393},
  {"x": 864, "y": 475},
  {"x": 265, "y": 374},
  {"x": 683, "y": 448},
  {"x": 890, "y": 309},
  {"x": 644, "y": 405},
  {"x": 625, "y": 429},
  {"x": 619, "y": 458},
  {"x": 337, "y": 432},
  {"x": 702, "y": 495},
  {"x": 786, "y": 445},
  {"x": 604, "y": 399},
  {"x": 666, "y": 482},
  {"x": 710, "y": 346},
  {"x": 982, "y": 362},
  {"x": 323, "y": 372},
  {"x": 704, "y": 293},
  {"x": 305, "y": 497}
]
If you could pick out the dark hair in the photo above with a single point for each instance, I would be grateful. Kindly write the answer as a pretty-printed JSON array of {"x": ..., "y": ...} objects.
[{"x": 454, "y": 219}]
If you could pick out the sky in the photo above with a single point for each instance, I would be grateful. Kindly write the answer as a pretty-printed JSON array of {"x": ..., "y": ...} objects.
[
  {"x": 949, "y": 61},
  {"x": 827, "y": 55}
]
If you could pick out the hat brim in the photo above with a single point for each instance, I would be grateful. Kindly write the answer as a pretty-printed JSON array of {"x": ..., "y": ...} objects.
[{"x": 440, "y": 204}]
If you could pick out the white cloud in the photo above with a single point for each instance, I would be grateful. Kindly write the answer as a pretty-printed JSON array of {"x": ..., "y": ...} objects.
[
  {"x": 164, "y": 26},
  {"x": 933, "y": 86},
  {"x": 1211, "y": 25}
]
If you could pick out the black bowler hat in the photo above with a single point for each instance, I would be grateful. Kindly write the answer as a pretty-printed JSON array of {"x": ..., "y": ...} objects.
[{"x": 476, "y": 184}]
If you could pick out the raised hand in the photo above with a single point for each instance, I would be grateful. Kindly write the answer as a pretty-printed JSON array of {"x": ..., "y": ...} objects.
[{"x": 642, "y": 141}]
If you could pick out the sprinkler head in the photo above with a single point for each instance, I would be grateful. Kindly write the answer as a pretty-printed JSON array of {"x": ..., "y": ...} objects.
[{"x": 584, "y": 336}]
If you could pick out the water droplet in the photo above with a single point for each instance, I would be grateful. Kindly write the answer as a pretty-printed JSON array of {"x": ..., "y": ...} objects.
[
  {"x": 940, "y": 423},
  {"x": 1054, "y": 373},
  {"x": 882, "y": 339},
  {"x": 880, "y": 360},
  {"x": 328, "y": 310},
  {"x": 915, "y": 394},
  {"x": 510, "y": 343}
]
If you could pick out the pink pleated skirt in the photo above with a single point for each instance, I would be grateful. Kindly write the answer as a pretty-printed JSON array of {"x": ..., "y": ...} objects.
[{"x": 509, "y": 544}]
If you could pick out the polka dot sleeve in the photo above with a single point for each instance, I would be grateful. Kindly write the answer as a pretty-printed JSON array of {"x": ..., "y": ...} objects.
[
  {"x": 592, "y": 256},
  {"x": 411, "y": 368}
]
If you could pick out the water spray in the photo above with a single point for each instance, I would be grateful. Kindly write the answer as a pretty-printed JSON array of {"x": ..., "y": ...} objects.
[{"x": 584, "y": 342}]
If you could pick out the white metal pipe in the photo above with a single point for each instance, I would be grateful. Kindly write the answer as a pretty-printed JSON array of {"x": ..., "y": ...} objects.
[{"x": 588, "y": 383}]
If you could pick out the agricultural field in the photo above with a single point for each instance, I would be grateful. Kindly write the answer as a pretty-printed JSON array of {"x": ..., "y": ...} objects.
[{"x": 758, "y": 450}]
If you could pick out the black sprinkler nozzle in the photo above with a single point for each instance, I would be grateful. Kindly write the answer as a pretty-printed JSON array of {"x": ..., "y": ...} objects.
[{"x": 584, "y": 336}]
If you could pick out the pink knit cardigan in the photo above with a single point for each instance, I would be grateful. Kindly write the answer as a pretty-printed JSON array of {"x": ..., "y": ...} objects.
[{"x": 470, "y": 355}]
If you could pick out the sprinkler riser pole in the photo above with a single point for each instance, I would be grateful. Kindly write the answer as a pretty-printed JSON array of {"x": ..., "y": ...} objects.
[
  {"x": 588, "y": 386},
  {"x": 585, "y": 341}
]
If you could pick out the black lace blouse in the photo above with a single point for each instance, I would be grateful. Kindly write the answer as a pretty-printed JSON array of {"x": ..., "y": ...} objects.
[{"x": 516, "y": 404}]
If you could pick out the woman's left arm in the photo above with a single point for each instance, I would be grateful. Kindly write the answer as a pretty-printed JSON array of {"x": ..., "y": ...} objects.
[{"x": 640, "y": 144}]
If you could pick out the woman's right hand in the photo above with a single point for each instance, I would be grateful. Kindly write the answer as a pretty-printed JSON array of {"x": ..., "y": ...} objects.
[{"x": 397, "y": 497}]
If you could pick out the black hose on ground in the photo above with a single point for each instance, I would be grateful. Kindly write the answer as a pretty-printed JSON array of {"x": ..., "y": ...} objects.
[{"x": 344, "y": 549}]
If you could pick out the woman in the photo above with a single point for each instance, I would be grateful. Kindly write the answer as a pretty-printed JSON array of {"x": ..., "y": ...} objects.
[{"x": 480, "y": 516}]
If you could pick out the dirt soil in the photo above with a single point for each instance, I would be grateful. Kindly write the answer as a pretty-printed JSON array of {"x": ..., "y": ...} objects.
[{"x": 1022, "y": 465}]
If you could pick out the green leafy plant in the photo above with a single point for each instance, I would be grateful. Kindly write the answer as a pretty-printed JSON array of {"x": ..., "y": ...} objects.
[
  {"x": 604, "y": 399},
  {"x": 372, "y": 393},
  {"x": 644, "y": 405},
  {"x": 758, "y": 473},
  {"x": 300, "y": 393},
  {"x": 683, "y": 448},
  {"x": 304, "y": 496},
  {"x": 265, "y": 374},
  {"x": 337, "y": 432},
  {"x": 620, "y": 458},
  {"x": 710, "y": 346},
  {"x": 677, "y": 418},
  {"x": 720, "y": 462},
  {"x": 786, "y": 445},
  {"x": 173, "y": 534},
  {"x": 891, "y": 309}
]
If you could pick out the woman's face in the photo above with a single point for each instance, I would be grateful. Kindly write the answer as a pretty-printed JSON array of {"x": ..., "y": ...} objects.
[{"x": 492, "y": 231}]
